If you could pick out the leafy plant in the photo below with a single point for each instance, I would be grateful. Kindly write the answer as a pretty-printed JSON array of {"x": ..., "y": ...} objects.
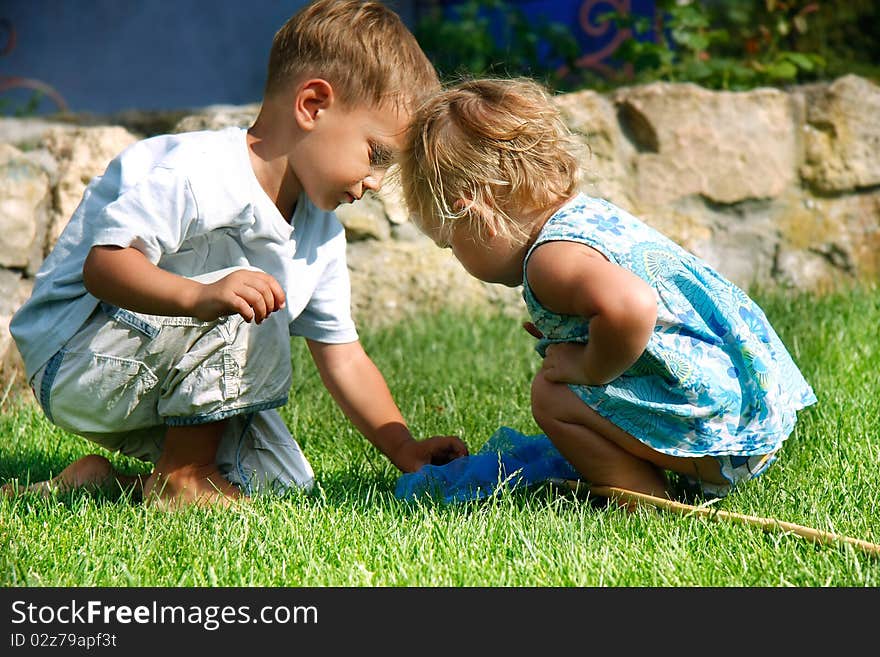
[
  {"x": 739, "y": 44},
  {"x": 27, "y": 108},
  {"x": 492, "y": 38},
  {"x": 847, "y": 35}
]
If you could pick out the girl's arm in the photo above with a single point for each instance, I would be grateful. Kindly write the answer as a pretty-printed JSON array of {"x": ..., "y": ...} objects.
[
  {"x": 357, "y": 386},
  {"x": 126, "y": 278},
  {"x": 573, "y": 279}
]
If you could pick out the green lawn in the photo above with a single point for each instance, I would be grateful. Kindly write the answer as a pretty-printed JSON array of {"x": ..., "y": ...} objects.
[{"x": 468, "y": 376}]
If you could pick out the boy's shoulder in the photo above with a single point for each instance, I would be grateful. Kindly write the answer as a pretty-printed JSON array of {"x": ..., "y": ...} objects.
[
  {"x": 188, "y": 151},
  {"x": 210, "y": 167},
  {"x": 214, "y": 164},
  {"x": 197, "y": 155},
  {"x": 218, "y": 170}
]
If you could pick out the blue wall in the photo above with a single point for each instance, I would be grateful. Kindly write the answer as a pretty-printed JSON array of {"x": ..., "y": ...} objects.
[
  {"x": 105, "y": 56},
  {"x": 110, "y": 55},
  {"x": 580, "y": 16}
]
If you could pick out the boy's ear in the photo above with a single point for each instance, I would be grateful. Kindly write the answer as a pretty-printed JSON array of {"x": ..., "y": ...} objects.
[{"x": 312, "y": 97}]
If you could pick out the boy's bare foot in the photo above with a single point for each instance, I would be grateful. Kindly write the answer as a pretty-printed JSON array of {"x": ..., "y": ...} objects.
[
  {"x": 92, "y": 471},
  {"x": 189, "y": 485}
]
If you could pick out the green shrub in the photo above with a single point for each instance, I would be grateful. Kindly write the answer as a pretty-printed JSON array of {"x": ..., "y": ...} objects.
[
  {"x": 730, "y": 44},
  {"x": 491, "y": 38},
  {"x": 739, "y": 44}
]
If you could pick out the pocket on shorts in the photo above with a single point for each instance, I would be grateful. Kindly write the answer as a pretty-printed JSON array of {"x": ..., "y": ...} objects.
[
  {"x": 137, "y": 321},
  {"x": 97, "y": 393}
]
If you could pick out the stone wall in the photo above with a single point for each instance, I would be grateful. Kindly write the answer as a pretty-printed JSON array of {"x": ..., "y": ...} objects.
[{"x": 771, "y": 187}]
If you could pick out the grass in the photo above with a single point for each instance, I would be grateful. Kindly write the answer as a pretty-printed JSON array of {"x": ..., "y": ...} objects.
[{"x": 467, "y": 376}]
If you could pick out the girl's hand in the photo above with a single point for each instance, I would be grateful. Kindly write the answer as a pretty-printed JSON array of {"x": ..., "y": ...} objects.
[
  {"x": 564, "y": 363},
  {"x": 252, "y": 294},
  {"x": 533, "y": 330}
]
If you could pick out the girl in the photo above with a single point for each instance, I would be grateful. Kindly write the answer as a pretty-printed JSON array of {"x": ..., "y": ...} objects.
[{"x": 652, "y": 361}]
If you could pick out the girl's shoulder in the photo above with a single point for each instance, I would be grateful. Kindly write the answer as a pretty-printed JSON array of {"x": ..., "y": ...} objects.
[
  {"x": 581, "y": 204},
  {"x": 598, "y": 223},
  {"x": 589, "y": 214}
]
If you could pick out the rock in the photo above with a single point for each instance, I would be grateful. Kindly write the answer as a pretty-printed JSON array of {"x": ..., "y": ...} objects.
[
  {"x": 27, "y": 133},
  {"x": 44, "y": 159},
  {"x": 391, "y": 281},
  {"x": 14, "y": 291},
  {"x": 842, "y": 135},
  {"x": 408, "y": 232},
  {"x": 216, "y": 117},
  {"x": 146, "y": 123},
  {"x": 391, "y": 196},
  {"x": 725, "y": 146},
  {"x": 82, "y": 154},
  {"x": 738, "y": 241},
  {"x": 364, "y": 219},
  {"x": 25, "y": 197},
  {"x": 606, "y": 154}
]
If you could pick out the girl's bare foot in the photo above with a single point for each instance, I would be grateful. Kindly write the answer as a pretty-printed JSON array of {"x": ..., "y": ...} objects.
[
  {"x": 189, "y": 485},
  {"x": 92, "y": 471}
]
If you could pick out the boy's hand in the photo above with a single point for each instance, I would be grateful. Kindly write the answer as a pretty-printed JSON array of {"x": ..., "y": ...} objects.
[
  {"x": 436, "y": 450},
  {"x": 252, "y": 294}
]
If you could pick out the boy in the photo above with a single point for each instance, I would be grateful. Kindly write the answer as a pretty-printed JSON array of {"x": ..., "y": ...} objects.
[{"x": 160, "y": 324}]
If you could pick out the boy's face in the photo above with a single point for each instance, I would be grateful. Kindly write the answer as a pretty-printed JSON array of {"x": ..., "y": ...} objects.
[{"x": 348, "y": 152}]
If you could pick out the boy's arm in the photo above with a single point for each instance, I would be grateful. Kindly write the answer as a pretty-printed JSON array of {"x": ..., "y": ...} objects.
[
  {"x": 573, "y": 279},
  {"x": 360, "y": 390},
  {"x": 126, "y": 278}
]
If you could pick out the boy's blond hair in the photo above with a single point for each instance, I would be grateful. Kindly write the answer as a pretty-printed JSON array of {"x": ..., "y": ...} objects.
[
  {"x": 483, "y": 148},
  {"x": 362, "y": 49}
]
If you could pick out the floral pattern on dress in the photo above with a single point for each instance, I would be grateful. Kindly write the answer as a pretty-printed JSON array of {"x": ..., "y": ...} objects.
[{"x": 714, "y": 379}]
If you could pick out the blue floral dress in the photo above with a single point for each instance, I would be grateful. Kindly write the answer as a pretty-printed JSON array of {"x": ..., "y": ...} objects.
[{"x": 714, "y": 379}]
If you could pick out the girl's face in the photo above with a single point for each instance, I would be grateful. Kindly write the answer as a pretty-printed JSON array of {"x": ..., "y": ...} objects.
[{"x": 491, "y": 257}]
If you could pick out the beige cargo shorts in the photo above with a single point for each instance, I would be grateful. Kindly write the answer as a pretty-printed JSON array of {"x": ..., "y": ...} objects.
[{"x": 124, "y": 377}]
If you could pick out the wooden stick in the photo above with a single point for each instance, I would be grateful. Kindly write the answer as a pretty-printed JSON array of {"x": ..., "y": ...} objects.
[{"x": 766, "y": 524}]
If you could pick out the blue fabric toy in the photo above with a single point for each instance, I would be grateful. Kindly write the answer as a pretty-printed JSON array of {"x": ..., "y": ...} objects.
[{"x": 508, "y": 459}]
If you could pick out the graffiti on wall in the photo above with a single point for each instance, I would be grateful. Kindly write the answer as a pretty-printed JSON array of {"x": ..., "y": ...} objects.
[
  {"x": 604, "y": 34},
  {"x": 8, "y": 83}
]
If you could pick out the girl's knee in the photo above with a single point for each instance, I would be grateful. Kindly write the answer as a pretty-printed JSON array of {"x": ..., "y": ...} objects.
[{"x": 545, "y": 400}]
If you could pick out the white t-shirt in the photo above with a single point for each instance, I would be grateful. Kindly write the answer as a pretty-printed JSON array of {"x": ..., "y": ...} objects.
[{"x": 192, "y": 204}]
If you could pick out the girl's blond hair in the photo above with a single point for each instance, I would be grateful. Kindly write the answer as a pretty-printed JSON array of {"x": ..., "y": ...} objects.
[{"x": 482, "y": 148}]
